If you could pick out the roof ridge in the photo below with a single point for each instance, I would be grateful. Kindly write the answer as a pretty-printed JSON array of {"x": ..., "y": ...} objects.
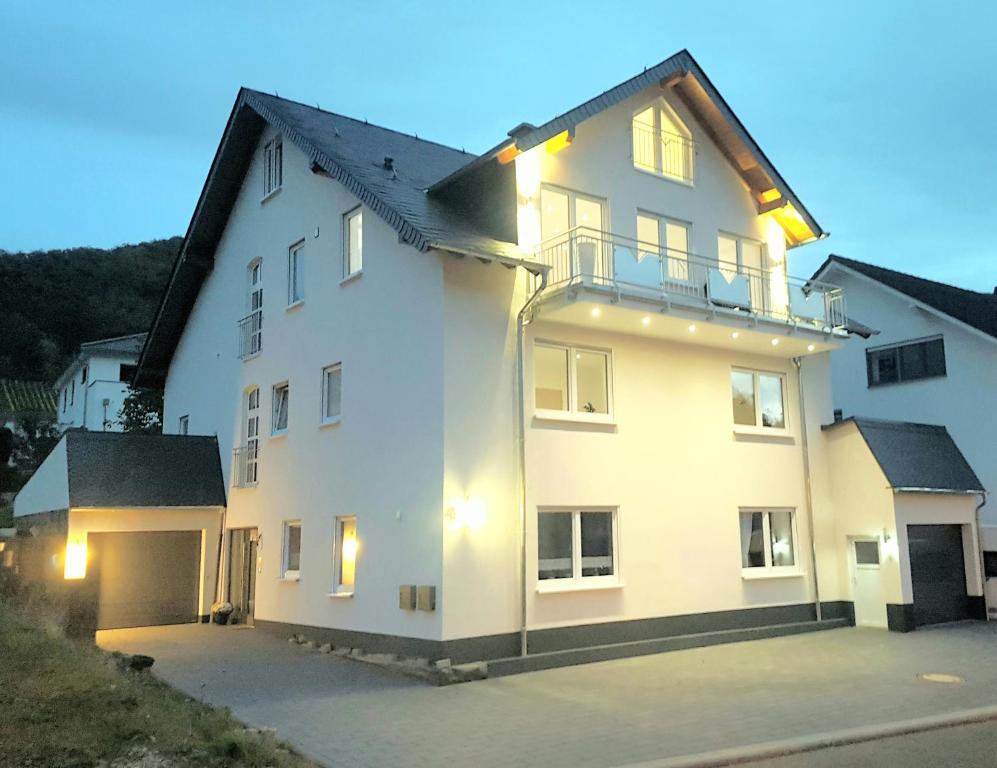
[
  {"x": 847, "y": 260},
  {"x": 113, "y": 338},
  {"x": 365, "y": 122}
]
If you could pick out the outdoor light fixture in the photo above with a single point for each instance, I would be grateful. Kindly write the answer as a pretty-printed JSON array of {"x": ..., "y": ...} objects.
[
  {"x": 811, "y": 347},
  {"x": 645, "y": 320},
  {"x": 735, "y": 334},
  {"x": 596, "y": 312},
  {"x": 775, "y": 342},
  {"x": 692, "y": 328},
  {"x": 76, "y": 560},
  {"x": 469, "y": 512}
]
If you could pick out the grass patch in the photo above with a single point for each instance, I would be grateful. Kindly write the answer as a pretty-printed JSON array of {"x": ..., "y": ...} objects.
[{"x": 64, "y": 703}]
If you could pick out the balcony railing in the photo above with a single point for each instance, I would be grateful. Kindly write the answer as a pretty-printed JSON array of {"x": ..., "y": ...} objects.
[
  {"x": 663, "y": 152},
  {"x": 588, "y": 256},
  {"x": 251, "y": 334},
  {"x": 245, "y": 461}
]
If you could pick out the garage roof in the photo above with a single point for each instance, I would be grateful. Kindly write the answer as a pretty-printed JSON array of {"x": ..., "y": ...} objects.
[
  {"x": 916, "y": 457},
  {"x": 114, "y": 469}
]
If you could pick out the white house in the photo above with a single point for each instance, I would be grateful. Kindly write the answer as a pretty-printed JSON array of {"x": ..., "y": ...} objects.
[
  {"x": 92, "y": 389},
  {"x": 561, "y": 395}
]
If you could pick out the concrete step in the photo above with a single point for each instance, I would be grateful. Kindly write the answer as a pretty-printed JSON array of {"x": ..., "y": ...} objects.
[{"x": 513, "y": 665}]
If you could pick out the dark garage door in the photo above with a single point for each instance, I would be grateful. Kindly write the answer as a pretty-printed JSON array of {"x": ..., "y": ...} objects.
[
  {"x": 145, "y": 578},
  {"x": 938, "y": 573}
]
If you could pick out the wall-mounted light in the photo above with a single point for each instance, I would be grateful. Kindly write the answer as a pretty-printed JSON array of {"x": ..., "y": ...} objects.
[
  {"x": 76, "y": 560},
  {"x": 469, "y": 512},
  {"x": 596, "y": 312}
]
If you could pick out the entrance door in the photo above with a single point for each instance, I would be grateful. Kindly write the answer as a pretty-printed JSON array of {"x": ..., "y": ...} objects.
[
  {"x": 242, "y": 573},
  {"x": 937, "y": 573},
  {"x": 867, "y": 583}
]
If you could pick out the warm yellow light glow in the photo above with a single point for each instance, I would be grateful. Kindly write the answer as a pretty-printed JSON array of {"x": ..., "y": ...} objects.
[
  {"x": 769, "y": 195},
  {"x": 775, "y": 342},
  {"x": 596, "y": 312},
  {"x": 557, "y": 143},
  {"x": 811, "y": 347},
  {"x": 508, "y": 154},
  {"x": 528, "y": 199},
  {"x": 645, "y": 320},
  {"x": 735, "y": 334},
  {"x": 76, "y": 560},
  {"x": 469, "y": 512},
  {"x": 796, "y": 229},
  {"x": 692, "y": 328}
]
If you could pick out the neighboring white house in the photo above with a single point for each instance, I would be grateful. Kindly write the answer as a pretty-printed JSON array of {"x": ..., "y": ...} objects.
[
  {"x": 934, "y": 358},
  {"x": 560, "y": 395},
  {"x": 92, "y": 389}
]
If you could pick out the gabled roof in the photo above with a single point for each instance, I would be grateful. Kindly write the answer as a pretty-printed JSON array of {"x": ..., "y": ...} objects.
[
  {"x": 19, "y": 398},
  {"x": 121, "y": 469},
  {"x": 702, "y": 98},
  {"x": 350, "y": 151},
  {"x": 978, "y": 310},
  {"x": 916, "y": 457},
  {"x": 129, "y": 347}
]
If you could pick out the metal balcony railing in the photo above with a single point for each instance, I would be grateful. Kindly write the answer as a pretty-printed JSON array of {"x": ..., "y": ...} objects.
[
  {"x": 245, "y": 465},
  {"x": 588, "y": 256},
  {"x": 251, "y": 334},
  {"x": 669, "y": 154}
]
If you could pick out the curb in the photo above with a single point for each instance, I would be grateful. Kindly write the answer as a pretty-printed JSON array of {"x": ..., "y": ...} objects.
[{"x": 774, "y": 749}]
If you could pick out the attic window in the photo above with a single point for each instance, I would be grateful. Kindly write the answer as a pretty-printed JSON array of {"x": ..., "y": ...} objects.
[
  {"x": 273, "y": 165},
  {"x": 662, "y": 144}
]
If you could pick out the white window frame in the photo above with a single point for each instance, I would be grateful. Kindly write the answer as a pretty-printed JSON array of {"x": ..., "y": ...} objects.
[
  {"x": 273, "y": 166},
  {"x": 296, "y": 274},
  {"x": 768, "y": 570},
  {"x": 758, "y": 428},
  {"x": 577, "y": 581},
  {"x": 285, "y": 551},
  {"x": 324, "y": 417},
  {"x": 657, "y": 105},
  {"x": 665, "y": 250},
  {"x": 183, "y": 424},
  {"x": 348, "y": 272},
  {"x": 338, "y": 588},
  {"x": 879, "y": 553},
  {"x": 573, "y": 413},
  {"x": 276, "y": 431}
]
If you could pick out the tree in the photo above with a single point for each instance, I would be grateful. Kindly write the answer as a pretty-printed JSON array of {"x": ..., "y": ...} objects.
[{"x": 142, "y": 411}]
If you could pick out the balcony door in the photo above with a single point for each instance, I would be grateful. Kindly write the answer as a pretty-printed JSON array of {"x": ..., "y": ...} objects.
[{"x": 573, "y": 227}]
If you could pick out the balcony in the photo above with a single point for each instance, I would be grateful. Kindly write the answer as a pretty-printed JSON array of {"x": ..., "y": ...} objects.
[
  {"x": 663, "y": 152},
  {"x": 251, "y": 334},
  {"x": 244, "y": 465},
  {"x": 625, "y": 268}
]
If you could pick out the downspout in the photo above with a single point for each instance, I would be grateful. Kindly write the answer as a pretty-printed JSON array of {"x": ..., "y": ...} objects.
[
  {"x": 979, "y": 553},
  {"x": 521, "y": 449},
  {"x": 808, "y": 485}
]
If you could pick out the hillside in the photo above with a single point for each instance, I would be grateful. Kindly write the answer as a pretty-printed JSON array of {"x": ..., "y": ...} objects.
[{"x": 51, "y": 301}]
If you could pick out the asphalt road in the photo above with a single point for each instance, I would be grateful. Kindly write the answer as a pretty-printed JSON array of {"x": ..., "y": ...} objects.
[{"x": 966, "y": 746}]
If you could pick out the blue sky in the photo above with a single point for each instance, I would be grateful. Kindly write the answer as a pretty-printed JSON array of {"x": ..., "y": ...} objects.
[{"x": 881, "y": 115}]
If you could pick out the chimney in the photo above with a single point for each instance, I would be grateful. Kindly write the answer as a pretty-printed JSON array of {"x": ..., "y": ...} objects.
[
  {"x": 389, "y": 163},
  {"x": 838, "y": 414}
]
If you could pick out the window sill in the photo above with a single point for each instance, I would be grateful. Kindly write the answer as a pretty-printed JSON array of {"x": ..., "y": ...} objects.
[
  {"x": 665, "y": 177},
  {"x": 550, "y": 586},
  {"x": 762, "y": 431},
  {"x": 341, "y": 595},
  {"x": 276, "y": 435},
  {"x": 747, "y": 574},
  {"x": 351, "y": 277},
  {"x": 325, "y": 423},
  {"x": 253, "y": 356},
  {"x": 270, "y": 195},
  {"x": 294, "y": 305},
  {"x": 571, "y": 417},
  {"x": 286, "y": 579}
]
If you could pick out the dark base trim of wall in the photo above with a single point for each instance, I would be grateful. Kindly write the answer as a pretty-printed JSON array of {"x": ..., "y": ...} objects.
[
  {"x": 900, "y": 617},
  {"x": 976, "y": 606},
  {"x": 205, "y": 618},
  {"x": 491, "y": 647}
]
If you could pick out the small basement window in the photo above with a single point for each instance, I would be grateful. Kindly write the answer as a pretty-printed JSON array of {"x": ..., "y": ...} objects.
[{"x": 990, "y": 565}]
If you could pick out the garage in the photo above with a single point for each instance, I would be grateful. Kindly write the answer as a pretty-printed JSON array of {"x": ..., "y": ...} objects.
[
  {"x": 938, "y": 574},
  {"x": 145, "y": 578}
]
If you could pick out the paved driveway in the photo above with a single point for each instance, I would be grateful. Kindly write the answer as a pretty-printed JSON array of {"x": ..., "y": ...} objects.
[{"x": 614, "y": 713}]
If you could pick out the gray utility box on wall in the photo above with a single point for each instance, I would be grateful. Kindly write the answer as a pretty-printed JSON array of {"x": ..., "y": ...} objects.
[
  {"x": 406, "y": 597},
  {"x": 426, "y": 598}
]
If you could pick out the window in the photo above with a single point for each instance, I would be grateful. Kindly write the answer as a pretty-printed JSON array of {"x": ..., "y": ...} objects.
[
  {"x": 72, "y": 392},
  {"x": 353, "y": 243},
  {"x": 248, "y": 466},
  {"x": 65, "y": 398},
  {"x": 990, "y": 565},
  {"x": 291, "y": 558},
  {"x": 84, "y": 373},
  {"x": 759, "y": 399},
  {"x": 577, "y": 544},
  {"x": 273, "y": 165},
  {"x": 251, "y": 326},
  {"x": 867, "y": 554},
  {"x": 126, "y": 372},
  {"x": 332, "y": 393},
  {"x": 662, "y": 144},
  {"x": 572, "y": 380},
  {"x": 908, "y": 361},
  {"x": 281, "y": 398},
  {"x": 296, "y": 273},
  {"x": 665, "y": 239},
  {"x": 345, "y": 555},
  {"x": 768, "y": 539},
  {"x": 184, "y": 425}
]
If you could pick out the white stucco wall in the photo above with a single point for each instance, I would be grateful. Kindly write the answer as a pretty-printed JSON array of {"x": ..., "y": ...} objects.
[
  {"x": 384, "y": 461},
  {"x": 965, "y": 400},
  {"x": 48, "y": 488},
  {"x": 85, "y": 401}
]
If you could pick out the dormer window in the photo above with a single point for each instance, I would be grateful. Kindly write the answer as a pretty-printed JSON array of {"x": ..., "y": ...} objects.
[
  {"x": 273, "y": 166},
  {"x": 662, "y": 144}
]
